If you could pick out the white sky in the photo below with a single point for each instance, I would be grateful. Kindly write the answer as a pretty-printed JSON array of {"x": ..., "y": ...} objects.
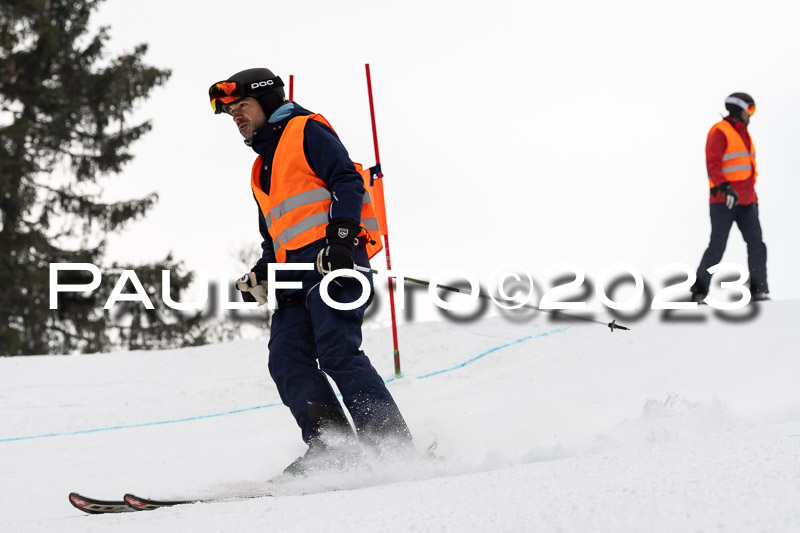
[{"x": 527, "y": 133}]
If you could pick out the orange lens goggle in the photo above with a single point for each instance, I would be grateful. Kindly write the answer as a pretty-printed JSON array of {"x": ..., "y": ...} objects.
[
  {"x": 751, "y": 109},
  {"x": 227, "y": 92},
  {"x": 224, "y": 92}
]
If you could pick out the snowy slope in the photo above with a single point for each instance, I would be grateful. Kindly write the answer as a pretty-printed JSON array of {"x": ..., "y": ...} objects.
[{"x": 544, "y": 426}]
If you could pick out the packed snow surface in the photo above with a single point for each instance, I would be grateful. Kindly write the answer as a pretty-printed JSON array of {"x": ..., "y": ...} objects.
[{"x": 688, "y": 422}]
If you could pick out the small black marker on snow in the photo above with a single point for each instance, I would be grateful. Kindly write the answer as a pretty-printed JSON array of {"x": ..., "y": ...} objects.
[{"x": 613, "y": 325}]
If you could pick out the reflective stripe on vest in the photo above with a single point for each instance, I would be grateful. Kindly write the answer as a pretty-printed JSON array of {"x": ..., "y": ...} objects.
[
  {"x": 301, "y": 200},
  {"x": 738, "y": 163}
]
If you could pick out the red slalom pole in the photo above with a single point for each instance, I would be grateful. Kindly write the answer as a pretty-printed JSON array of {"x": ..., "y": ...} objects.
[
  {"x": 291, "y": 87},
  {"x": 372, "y": 116},
  {"x": 386, "y": 236}
]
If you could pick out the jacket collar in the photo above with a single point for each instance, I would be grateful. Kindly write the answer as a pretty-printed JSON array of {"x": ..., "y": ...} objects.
[
  {"x": 739, "y": 126},
  {"x": 268, "y": 135}
]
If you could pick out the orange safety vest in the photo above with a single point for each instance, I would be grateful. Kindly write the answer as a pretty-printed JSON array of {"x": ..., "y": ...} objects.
[
  {"x": 296, "y": 210},
  {"x": 738, "y": 164}
]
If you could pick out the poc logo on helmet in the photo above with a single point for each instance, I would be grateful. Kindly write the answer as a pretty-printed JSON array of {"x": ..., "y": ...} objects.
[{"x": 258, "y": 84}]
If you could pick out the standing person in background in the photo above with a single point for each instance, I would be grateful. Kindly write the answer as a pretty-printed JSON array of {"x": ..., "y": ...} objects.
[
  {"x": 731, "y": 164},
  {"x": 313, "y": 208}
]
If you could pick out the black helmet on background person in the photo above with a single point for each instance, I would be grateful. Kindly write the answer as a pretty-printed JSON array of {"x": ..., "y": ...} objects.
[
  {"x": 260, "y": 83},
  {"x": 738, "y": 101}
]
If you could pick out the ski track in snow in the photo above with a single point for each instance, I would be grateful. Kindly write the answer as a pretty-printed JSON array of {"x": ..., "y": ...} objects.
[{"x": 675, "y": 425}]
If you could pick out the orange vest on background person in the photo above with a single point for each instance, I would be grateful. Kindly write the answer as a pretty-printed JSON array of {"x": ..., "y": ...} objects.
[
  {"x": 296, "y": 210},
  {"x": 738, "y": 163}
]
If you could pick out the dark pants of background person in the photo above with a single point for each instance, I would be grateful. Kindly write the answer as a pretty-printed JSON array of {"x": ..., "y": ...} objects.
[{"x": 722, "y": 218}]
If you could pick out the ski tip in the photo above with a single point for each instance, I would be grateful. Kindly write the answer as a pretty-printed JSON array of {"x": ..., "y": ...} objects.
[
  {"x": 146, "y": 504},
  {"x": 134, "y": 502},
  {"x": 95, "y": 506}
]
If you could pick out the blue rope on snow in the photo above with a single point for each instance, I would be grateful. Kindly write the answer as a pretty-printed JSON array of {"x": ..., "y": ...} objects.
[
  {"x": 484, "y": 354},
  {"x": 140, "y": 425},
  {"x": 246, "y": 409}
]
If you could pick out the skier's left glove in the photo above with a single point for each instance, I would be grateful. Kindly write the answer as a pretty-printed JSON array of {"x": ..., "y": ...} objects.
[
  {"x": 253, "y": 285},
  {"x": 342, "y": 238}
]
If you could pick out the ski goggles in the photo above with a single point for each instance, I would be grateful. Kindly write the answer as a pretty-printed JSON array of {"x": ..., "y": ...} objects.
[
  {"x": 751, "y": 108},
  {"x": 227, "y": 92}
]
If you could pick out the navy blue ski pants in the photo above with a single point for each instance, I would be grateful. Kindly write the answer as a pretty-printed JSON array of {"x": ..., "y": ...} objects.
[
  {"x": 308, "y": 340},
  {"x": 722, "y": 218}
]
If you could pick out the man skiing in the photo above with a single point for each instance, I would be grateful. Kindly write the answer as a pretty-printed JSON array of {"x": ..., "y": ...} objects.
[
  {"x": 731, "y": 165},
  {"x": 312, "y": 209}
]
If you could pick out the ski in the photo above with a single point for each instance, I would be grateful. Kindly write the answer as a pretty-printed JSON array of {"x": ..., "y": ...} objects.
[
  {"x": 131, "y": 502},
  {"x": 95, "y": 506}
]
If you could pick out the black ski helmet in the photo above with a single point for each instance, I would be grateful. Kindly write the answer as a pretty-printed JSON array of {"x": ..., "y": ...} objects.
[
  {"x": 260, "y": 83},
  {"x": 738, "y": 101}
]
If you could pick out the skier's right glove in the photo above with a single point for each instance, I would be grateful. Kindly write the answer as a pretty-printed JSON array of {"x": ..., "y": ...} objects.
[
  {"x": 731, "y": 197},
  {"x": 253, "y": 285}
]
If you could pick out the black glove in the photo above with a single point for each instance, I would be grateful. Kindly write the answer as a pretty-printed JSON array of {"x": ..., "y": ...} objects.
[
  {"x": 253, "y": 285},
  {"x": 731, "y": 197},
  {"x": 342, "y": 238}
]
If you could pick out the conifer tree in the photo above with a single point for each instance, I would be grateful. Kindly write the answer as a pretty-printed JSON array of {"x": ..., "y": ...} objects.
[{"x": 65, "y": 107}]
